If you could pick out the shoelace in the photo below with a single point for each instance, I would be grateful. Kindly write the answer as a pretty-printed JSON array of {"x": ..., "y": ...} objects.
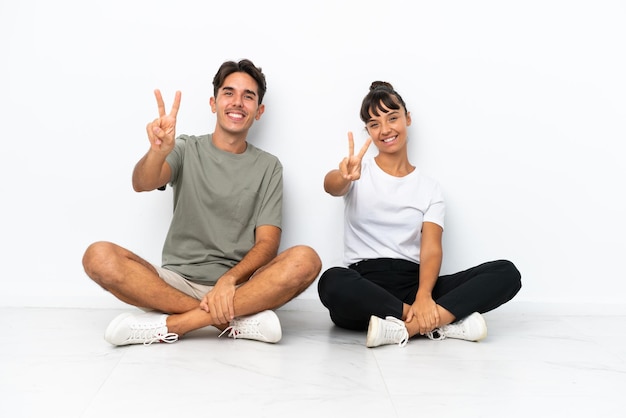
[
  {"x": 242, "y": 327},
  {"x": 453, "y": 330},
  {"x": 169, "y": 338},
  {"x": 233, "y": 332},
  {"x": 150, "y": 336},
  {"x": 400, "y": 333},
  {"x": 436, "y": 335},
  {"x": 405, "y": 338}
]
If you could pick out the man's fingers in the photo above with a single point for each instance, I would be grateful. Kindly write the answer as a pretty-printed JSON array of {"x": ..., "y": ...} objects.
[
  {"x": 225, "y": 313},
  {"x": 216, "y": 314},
  {"x": 160, "y": 105},
  {"x": 176, "y": 104}
]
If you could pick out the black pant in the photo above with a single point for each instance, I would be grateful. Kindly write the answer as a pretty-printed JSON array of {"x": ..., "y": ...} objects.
[{"x": 381, "y": 286}]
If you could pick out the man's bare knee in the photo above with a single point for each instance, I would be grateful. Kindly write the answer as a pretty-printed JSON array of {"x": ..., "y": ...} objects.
[
  {"x": 99, "y": 261},
  {"x": 305, "y": 261}
]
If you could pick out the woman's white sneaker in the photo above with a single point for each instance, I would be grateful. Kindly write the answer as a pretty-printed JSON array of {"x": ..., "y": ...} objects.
[
  {"x": 470, "y": 328},
  {"x": 386, "y": 331}
]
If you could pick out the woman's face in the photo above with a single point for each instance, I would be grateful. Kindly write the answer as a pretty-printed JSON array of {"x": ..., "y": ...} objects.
[{"x": 389, "y": 130}]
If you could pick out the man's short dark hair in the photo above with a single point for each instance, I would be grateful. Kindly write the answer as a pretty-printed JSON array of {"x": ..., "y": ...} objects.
[{"x": 245, "y": 66}]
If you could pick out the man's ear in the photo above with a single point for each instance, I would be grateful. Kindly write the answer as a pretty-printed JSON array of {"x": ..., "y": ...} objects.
[{"x": 259, "y": 112}]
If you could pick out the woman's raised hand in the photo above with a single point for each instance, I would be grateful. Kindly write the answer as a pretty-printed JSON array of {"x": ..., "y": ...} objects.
[{"x": 350, "y": 167}]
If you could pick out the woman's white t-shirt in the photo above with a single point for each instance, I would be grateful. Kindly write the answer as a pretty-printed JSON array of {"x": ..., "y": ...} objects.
[{"x": 384, "y": 214}]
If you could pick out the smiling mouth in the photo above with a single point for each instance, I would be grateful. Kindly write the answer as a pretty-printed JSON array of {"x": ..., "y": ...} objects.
[
  {"x": 387, "y": 140},
  {"x": 237, "y": 114}
]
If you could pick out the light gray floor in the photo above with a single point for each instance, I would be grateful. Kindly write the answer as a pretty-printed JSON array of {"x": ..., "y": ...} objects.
[{"x": 536, "y": 362}]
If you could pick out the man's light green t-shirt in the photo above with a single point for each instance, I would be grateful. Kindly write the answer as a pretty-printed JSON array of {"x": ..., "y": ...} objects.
[{"x": 220, "y": 198}]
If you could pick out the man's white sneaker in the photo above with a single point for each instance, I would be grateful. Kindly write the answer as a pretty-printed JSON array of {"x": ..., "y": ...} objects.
[
  {"x": 386, "y": 331},
  {"x": 140, "y": 328},
  {"x": 470, "y": 328},
  {"x": 263, "y": 326}
]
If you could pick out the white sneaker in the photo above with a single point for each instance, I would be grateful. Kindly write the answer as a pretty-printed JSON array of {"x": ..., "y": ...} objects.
[
  {"x": 470, "y": 328},
  {"x": 386, "y": 331},
  {"x": 263, "y": 326},
  {"x": 140, "y": 328}
]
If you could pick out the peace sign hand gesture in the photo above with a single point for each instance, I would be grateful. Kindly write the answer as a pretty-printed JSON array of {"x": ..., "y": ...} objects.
[
  {"x": 162, "y": 130},
  {"x": 350, "y": 167}
]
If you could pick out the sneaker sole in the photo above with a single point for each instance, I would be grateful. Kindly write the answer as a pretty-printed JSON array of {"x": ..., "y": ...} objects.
[
  {"x": 372, "y": 330},
  {"x": 484, "y": 326},
  {"x": 276, "y": 324}
]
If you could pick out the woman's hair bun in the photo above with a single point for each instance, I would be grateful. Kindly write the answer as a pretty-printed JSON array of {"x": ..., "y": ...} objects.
[{"x": 381, "y": 85}]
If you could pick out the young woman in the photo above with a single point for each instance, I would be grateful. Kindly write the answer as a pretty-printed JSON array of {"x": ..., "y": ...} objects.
[{"x": 394, "y": 218}]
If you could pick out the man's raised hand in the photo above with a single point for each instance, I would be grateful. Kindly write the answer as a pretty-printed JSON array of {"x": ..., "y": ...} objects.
[{"x": 162, "y": 130}]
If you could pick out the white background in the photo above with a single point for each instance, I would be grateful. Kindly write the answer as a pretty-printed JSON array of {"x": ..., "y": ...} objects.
[{"x": 518, "y": 110}]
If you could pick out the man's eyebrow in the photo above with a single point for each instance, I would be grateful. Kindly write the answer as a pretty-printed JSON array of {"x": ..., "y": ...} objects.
[{"x": 252, "y": 92}]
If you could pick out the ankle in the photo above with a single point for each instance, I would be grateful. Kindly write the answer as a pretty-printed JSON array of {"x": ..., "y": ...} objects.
[{"x": 412, "y": 327}]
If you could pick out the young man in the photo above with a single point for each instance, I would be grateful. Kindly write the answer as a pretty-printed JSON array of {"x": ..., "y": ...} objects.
[{"x": 220, "y": 265}]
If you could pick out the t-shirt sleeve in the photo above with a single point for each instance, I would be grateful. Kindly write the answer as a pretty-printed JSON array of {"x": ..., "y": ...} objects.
[
  {"x": 175, "y": 158},
  {"x": 271, "y": 211},
  {"x": 437, "y": 209}
]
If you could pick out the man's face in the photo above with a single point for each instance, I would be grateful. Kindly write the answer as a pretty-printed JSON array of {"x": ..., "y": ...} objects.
[{"x": 237, "y": 103}]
